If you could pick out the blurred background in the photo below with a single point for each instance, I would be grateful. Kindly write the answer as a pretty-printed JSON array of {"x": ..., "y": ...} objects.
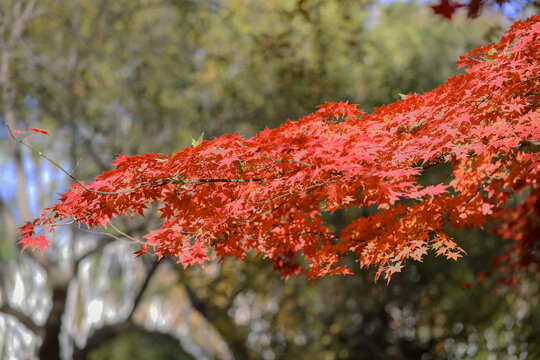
[{"x": 130, "y": 77}]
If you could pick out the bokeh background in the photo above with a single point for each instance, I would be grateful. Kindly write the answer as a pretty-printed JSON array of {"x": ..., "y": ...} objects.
[{"x": 130, "y": 77}]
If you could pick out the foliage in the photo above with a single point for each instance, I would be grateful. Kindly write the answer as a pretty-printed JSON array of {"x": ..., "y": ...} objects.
[
  {"x": 397, "y": 56},
  {"x": 233, "y": 195},
  {"x": 447, "y": 8},
  {"x": 141, "y": 345}
]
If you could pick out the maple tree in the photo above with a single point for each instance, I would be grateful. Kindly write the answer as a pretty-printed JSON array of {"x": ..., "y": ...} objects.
[{"x": 231, "y": 195}]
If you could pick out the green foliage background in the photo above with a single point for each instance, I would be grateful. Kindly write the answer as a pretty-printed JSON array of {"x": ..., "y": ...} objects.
[
  {"x": 142, "y": 345},
  {"x": 132, "y": 77}
]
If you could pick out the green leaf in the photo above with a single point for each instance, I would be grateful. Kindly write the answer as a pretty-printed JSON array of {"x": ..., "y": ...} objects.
[{"x": 198, "y": 141}]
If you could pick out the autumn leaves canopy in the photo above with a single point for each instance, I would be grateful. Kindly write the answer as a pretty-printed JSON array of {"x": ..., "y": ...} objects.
[{"x": 267, "y": 194}]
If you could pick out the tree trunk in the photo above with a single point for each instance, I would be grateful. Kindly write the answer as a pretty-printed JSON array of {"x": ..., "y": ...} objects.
[{"x": 50, "y": 348}]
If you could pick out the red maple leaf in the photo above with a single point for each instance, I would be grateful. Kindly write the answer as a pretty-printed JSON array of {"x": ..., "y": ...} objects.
[
  {"x": 40, "y": 131},
  {"x": 143, "y": 250},
  {"x": 41, "y": 242},
  {"x": 446, "y": 8},
  {"x": 26, "y": 241}
]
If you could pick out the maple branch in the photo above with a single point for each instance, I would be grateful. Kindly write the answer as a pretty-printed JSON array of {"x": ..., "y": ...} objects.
[
  {"x": 480, "y": 187},
  {"x": 103, "y": 241},
  {"x": 480, "y": 101},
  {"x": 33, "y": 149},
  {"x": 126, "y": 235},
  {"x": 378, "y": 165},
  {"x": 70, "y": 222},
  {"x": 170, "y": 180},
  {"x": 224, "y": 180},
  {"x": 305, "y": 191},
  {"x": 11, "y": 230}
]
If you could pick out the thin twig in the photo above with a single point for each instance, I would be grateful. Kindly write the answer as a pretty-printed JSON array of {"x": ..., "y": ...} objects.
[
  {"x": 124, "y": 234},
  {"x": 65, "y": 171},
  {"x": 71, "y": 222}
]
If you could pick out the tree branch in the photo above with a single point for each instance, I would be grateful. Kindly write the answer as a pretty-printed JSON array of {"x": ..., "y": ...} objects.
[
  {"x": 108, "y": 332},
  {"x": 17, "y": 314},
  {"x": 17, "y": 28},
  {"x": 22, "y": 318},
  {"x": 142, "y": 289},
  {"x": 103, "y": 241},
  {"x": 220, "y": 320},
  {"x": 196, "y": 302},
  {"x": 102, "y": 335}
]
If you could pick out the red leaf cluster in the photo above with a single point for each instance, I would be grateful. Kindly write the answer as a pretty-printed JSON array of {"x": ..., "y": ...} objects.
[
  {"x": 267, "y": 194},
  {"x": 447, "y": 8}
]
